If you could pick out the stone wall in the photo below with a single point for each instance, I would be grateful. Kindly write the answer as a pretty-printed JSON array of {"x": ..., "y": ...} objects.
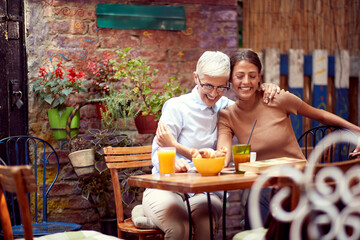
[{"x": 66, "y": 30}]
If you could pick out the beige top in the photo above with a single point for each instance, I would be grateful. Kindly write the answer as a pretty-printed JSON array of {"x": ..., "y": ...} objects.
[{"x": 273, "y": 134}]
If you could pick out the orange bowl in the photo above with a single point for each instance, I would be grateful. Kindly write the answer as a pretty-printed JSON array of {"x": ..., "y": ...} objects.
[{"x": 209, "y": 166}]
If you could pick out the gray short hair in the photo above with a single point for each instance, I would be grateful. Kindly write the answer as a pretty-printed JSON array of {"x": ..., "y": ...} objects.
[{"x": 213, "y": 63}]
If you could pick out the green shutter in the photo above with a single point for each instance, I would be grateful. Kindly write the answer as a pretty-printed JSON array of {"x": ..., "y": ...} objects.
[{"x": 140, "y": 17}]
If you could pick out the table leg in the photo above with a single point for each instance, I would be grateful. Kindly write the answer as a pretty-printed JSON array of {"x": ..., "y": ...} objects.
[
  {"x": 210, "y": 217},
  {"x": 189, "y": 213},
  {"x": 224, "y": 216}
]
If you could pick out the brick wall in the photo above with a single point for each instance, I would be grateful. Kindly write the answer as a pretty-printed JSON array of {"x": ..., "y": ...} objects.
[{"x": 66, "y": 30}]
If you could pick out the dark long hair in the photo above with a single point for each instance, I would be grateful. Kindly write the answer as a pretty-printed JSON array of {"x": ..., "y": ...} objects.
[{"x": 247, "y": 55}]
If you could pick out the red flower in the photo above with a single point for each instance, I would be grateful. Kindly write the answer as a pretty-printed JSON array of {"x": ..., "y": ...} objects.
[
  {"x": 42, "y": 72},
  {"x": 71, "y": 75},
  {"x": 80, "y": 75},
  {"x": 59, "y": 73}
]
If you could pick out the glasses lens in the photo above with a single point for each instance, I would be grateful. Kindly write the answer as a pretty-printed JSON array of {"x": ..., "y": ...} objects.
[
  {"x": 208, "y": 87},
  {"x": 221, "y": 89}
]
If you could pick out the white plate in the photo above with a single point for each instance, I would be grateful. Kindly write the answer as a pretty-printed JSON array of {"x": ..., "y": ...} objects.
[{"x": 228, "y": 171}]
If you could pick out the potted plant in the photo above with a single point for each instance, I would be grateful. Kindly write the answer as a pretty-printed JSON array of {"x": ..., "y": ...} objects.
[
  {"x": 82, "y": 157},
  {"x": 54, "y": 88},
  {"x": 101, "y": 74},
  {"x": 135, "y": 95}
]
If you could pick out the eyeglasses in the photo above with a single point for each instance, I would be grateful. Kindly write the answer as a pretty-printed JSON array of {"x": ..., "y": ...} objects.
[{"x": 209, "y": 88}]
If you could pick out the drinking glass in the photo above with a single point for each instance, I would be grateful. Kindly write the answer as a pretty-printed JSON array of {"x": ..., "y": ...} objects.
[
  {"x": 166, "y": 160},
  {"x": 241, "y": 154}
]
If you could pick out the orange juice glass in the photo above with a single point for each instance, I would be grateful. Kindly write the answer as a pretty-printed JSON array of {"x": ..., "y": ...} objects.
[
  {"x": 241, "y": 154},
  {"x": 166, "y": 160}
]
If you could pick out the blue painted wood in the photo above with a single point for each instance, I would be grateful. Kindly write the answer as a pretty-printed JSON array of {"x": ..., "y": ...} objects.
[
  {"x": 342, "y": 102},
  {"x": 297, "y": 120},
  {"x": 284, "y": 66},
  {"x": 331, "y": 66},
  {"x": 319, "y": 99},
  {"x": 307, "y": 65}
]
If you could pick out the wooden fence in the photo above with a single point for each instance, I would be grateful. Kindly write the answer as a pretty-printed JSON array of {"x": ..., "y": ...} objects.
[{"x": 326, "y": 82}]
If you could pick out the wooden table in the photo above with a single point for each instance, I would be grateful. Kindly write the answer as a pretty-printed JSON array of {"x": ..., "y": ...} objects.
[{"x": 195, "y": 183}]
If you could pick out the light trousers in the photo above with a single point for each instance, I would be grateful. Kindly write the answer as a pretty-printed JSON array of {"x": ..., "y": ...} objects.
[{"x": 168, "y": 210}]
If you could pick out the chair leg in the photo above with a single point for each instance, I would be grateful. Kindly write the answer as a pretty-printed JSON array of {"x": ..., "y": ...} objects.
[{"x": 120, "y": 235}]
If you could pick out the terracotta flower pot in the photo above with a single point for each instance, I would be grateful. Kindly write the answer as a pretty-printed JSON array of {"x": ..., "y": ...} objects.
[{"x": 146, "y": 124}]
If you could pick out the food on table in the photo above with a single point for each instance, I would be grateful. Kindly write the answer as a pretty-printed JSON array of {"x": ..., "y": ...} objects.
[
  {"x": 208, "y": 152},
  {"x": 195, "y": 153},
  {"x": 221, "y": 152}
]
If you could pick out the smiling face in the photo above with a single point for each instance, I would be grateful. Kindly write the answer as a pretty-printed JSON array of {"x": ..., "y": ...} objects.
[
  {"x": 245, "y": 79},
  {"x": 210, "y": 97}
]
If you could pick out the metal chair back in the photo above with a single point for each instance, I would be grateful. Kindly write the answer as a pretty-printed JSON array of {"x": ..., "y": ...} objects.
[
  {"x": 20, "y": 180},
  {"x": 28, "y": 150},
  {"x": 335, "y": 153}
]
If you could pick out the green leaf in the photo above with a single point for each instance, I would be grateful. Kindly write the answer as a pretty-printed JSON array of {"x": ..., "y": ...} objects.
[{"x": 67, "y": 91}]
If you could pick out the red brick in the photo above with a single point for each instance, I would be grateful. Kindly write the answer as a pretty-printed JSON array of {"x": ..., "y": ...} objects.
[
  {"x": 187, "y": 81},
  {"x": 227, "y": 16},
  {"x": 67, "y": 173},
  {"x": 189, "y": 38},
  {"x": 74, "y": 41},
  {"x": 76, "y": 13},
  {"x": 119, "y": 42},
  {"x": 62, "y": 189},
  {"x": 235, "y": 196},
  {"x": 69, "y": 27},
  {"x": 62, "y": 155},
  {"x": 233, "y": 208},
  {"x": 77, "y": 216},
  {"x": 116, "y": 33},
  {"x": 165, "y": 69},
  {"x": 93, "y": 28},
  {"x": 91, "y": 226},
  {"x": 230, "y": 27},
  {"x": 78, "y": 202},
  {"x": 159, "y": 39},
  {"x": 188, "y": 66},
  {"x": 153, "y": 54},
  {"x": 146, "y": 139},
  {"x": 184, "y": 55},
  {"x": 233, "y": 221},
  {"x": 88, "y": 111},
  {"x": 210, "y": 2}
]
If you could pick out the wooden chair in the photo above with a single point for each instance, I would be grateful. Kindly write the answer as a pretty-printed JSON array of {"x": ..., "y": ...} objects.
[
  {"x": 118, "y": 158},
  {"x": 21, "y": 180},
  {"x": 318, "y": 203}
]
